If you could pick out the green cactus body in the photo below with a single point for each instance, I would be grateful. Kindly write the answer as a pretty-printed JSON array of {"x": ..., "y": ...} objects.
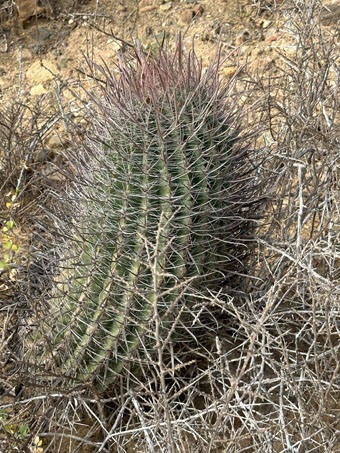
[{"x": 154, "y": 219}]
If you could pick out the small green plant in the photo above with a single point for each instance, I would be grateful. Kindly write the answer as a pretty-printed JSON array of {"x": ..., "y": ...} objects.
[
  {"x": 7, "y": 238},
  {"x": 19, "y": 433},
  {"x": 21, "y": 430}
]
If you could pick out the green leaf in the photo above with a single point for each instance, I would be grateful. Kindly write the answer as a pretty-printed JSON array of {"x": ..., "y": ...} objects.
[
  {"x": 23, "y": 431},
  {"x": 3, "y": 265},
  {"x": 10, "y": 428},
  {"x": 9, "y": 224},
  {"x": 37, "y": 441},
  {"x": 7, "y": 245}
]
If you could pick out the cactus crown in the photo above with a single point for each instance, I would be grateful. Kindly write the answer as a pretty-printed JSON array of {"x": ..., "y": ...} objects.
[{"x": 164, "y": 197}]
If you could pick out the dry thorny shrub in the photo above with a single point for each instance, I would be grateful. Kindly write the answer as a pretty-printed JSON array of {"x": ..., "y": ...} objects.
[{"x": 261, "y": 371}]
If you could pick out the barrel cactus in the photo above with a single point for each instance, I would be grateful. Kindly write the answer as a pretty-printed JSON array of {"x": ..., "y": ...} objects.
[{"x": 165, "y": 195}]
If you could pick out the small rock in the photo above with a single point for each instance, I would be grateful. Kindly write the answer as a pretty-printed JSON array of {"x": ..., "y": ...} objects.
[
  {"x": 266, "y": 23},
  {"x": 39, "y": 46},
  {"x": 4, "y": 84},
  {"x": 186, "y": 16},
  {"x": 63, "y": 62},
  {"x": 38, "y": 90},
  {"x": 229, "y": 72},
  {"x": 68, "y": 96},
  {"x": 165, "y": 6},
  {"x": 25, "y": 54},
  {"x": 271, "y": 38},
  {"x": 114, "y": 45},
  {"x": 56, "y": 141},
  {"x": 144, "y": 3},
  {"x": 40, "y": 73},
  {"x": 45, "y": 155},
  {"x": 146, "y": 9},
  {"x": 198, "y": 10},
  {"x": 42, "y": 34}
]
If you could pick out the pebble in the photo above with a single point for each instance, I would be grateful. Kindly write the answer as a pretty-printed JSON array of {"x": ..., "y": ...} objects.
[
  {"x": 38, "y": 73},
  {"x": 186, "y": 16},
  {"x": 4, "y": 84},
  {"x": 146, "y": 9},
  {"x": 271, "y": 38},
  {"x": 114, "y": 45},
  {"x": 229, "y": 72},
  {"x": 38, "y": 90},
  {"x": 144, "y": 3},
  {"x": 64, "y": 62},
  {"x": 25, "y": 54},
  {"x": 42, "y": 34},
  {"x": 56, "y": 141},
  {"x": 266, "y": 23},
  {"x": 165, "y": 6}
]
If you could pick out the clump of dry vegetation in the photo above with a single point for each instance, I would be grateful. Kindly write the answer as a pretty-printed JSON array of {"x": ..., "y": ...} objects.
[{"x": 255, "y": 367}]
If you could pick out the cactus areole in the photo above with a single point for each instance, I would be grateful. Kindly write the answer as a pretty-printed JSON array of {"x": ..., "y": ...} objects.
[{"x": 163, "y": 203}]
